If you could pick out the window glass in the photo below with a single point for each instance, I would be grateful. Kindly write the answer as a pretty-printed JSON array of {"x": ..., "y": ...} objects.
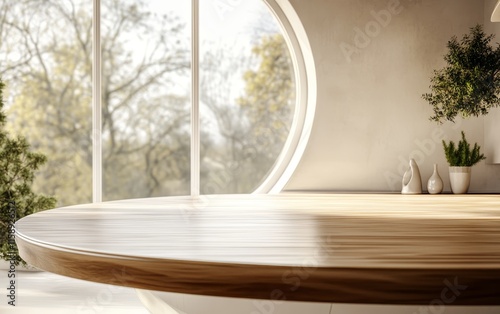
[
  {"x": 45, "y": 62},
  {"x": 247, "y": 94},
  {"x": 146, "y": 87}
]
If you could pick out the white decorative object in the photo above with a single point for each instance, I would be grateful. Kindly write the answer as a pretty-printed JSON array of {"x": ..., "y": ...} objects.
[
  {"x": 460, "y": 179},
  {"x": 412, "y": 182},
  {"x": 435, "y": 183}
]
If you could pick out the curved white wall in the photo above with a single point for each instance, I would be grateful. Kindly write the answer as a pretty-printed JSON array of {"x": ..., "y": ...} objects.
[{"x": 374, "y": 59}]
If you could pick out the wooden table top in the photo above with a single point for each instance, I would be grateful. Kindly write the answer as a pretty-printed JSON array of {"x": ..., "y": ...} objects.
[{"x": 346, "y": 248}]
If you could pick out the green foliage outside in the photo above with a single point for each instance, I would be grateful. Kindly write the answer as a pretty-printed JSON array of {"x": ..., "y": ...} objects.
[
  {"x": 269, "y": 90},
  {"x": 269, "y": 97},
  {"x": 462, "y": 155},
  {"x": 17, "y": 172},
  {"x": 469, "y": 84}
]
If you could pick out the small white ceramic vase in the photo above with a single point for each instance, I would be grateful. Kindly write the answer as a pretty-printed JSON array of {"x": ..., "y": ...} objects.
[
  {"x": 460, "y": 179},
  {"x": 435, "y": 183}
]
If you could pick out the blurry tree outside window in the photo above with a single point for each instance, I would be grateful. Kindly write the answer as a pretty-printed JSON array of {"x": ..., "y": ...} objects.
[{"x": 247, "y": 94}]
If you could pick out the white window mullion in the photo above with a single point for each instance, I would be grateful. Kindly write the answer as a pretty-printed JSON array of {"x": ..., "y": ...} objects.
[
  {"x": 96, "y": 105},
  {"x": 195, "y": 100}
]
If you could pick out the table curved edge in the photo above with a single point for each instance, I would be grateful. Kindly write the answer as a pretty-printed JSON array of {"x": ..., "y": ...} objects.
[{"x": 337, "y": 285}]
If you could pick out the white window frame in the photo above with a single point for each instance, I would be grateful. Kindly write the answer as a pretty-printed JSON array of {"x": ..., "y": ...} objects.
[
  {"x": 306, "y": 93},
  {"x": 96, "y": 103},
  {"x": 305, "y": 82}
]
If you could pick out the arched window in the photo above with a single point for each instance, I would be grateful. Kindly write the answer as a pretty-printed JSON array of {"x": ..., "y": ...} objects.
[{"x": 250, "y": 84}]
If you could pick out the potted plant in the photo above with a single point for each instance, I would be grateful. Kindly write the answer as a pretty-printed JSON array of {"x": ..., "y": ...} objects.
[
  {"x": 17, "y": 167},
  {"x": 460, "y": 159},
  {"x": 469, "y": 84}
]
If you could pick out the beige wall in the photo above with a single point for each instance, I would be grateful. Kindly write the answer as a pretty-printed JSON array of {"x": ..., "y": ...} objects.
[{"x": 370, "y": 116}]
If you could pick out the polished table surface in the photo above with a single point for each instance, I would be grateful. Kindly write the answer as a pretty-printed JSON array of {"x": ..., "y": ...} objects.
[{"x": 346, "y": 248}]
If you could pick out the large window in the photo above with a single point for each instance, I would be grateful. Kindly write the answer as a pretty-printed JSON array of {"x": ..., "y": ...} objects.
[{"x": 249, "y": 96}]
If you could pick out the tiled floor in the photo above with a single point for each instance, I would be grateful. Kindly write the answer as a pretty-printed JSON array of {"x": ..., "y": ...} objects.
[{"x": 44, "y": 293}]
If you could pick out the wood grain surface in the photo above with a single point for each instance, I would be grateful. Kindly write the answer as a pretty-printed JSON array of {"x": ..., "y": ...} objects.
[{"x": 346, "y": 248}]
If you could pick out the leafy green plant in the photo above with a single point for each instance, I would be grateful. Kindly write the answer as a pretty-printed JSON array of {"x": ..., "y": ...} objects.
[
  {"x": 17, "y": 172},
  {"x": 462, "y": 155},
  {"x": 470, "y": 82}
]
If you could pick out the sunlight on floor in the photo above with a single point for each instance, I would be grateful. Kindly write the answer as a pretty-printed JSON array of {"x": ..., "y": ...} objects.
[{"x": 44, "y": 293}]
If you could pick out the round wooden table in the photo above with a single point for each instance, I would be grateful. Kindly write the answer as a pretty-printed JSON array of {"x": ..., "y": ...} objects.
[{"x": 334, "y": 248}]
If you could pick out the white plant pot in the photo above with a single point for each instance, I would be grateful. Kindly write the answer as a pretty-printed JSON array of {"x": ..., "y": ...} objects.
[{"x": 460, "y": 179}]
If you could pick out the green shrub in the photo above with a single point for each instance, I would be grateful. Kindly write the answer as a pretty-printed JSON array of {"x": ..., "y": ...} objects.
[
  {"x": 462, "y": 155},
  {"x": 17, "y": 172}
]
